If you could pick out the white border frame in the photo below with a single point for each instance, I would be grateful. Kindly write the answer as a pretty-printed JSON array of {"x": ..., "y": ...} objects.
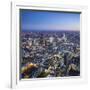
[{"x": 15, "y": 82}]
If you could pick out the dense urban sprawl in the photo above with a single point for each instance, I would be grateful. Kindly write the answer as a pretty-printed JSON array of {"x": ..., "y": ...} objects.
[{"x": 50, "y": 54}]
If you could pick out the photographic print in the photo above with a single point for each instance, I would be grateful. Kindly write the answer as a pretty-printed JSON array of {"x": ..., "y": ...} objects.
[{"x": 49, "y": 44}]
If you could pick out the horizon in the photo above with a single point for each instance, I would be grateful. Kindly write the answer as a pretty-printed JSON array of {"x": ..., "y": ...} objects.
[{"x": 51, "y": 31}]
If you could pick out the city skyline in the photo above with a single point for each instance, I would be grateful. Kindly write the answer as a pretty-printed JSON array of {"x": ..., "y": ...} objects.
[{"x": 32, "y": 20}]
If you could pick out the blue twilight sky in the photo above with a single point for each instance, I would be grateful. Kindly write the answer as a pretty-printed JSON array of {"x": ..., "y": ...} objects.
[{"x": 46, "y": 20}]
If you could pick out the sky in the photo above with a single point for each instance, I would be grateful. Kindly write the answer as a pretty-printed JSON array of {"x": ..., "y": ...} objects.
[{"x": 32, "y": 20}]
